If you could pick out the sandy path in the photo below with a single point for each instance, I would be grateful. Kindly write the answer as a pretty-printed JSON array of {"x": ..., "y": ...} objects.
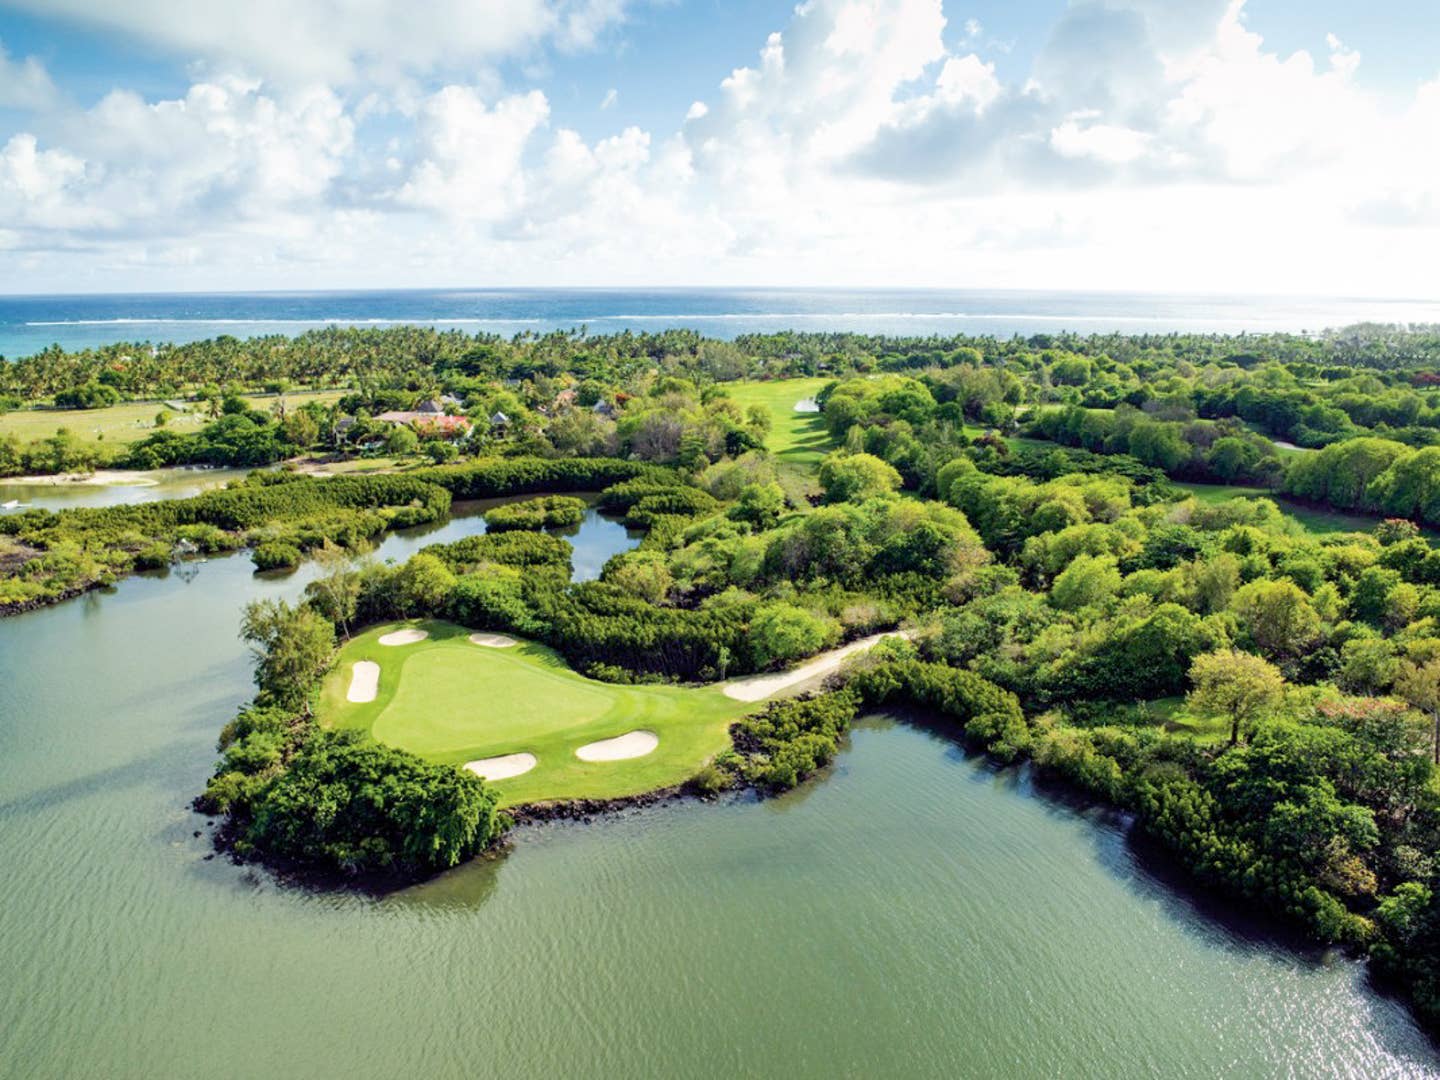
[
  {"x": 630, "y": 745},
  {"x": 494, "y": 641},
  {"x": 503, "y": 767},
  {"x": 408, "y": 636},
  {"x": 760, "y": 687},
  {"x": 364, "y": 681}
]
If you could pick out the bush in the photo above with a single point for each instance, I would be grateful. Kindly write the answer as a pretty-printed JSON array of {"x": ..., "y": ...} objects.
[{"x": 275, "y": 555}]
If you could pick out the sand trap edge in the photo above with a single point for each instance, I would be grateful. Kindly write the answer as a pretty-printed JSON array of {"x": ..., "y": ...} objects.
[
  {"x": 632, "y": 744},
  {"x": 502, "y": 767},
  {"x": 493, "y": 641},
  {"x": 407, "y": 636},
  {"x": 364, "y": 682}
]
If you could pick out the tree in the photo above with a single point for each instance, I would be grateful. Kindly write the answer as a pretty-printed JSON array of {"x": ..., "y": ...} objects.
[
  {"x": 1420, "y": 686},
  {"x": 1279, "y": 616},
  {"x": 1236, "y": 685},
  {"x": 292, "y": 647},
  {"x": 424, "y": 584},
  {"x": 401, "y": 441},
  {"x": 1089, "y": 579},
  {"x": 337, "y": 590},
  {"x": 856, "y": 477},
  {"x": 781, "y": 632}
]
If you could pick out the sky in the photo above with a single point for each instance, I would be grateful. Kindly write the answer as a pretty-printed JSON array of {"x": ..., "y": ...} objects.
[{"x": 1213, "y": 146}]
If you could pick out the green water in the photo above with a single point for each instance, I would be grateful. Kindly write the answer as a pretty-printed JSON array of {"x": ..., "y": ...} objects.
[{"x": 917, "y": 913}]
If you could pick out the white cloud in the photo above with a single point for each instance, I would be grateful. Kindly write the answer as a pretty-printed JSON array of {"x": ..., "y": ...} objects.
[
  {"x": 339, "y": 41},
  {"x": 24, "y": 84},
  {"x": 611, "y": 96},
  {"x": 470, "y": 153},
  {"x": 1152, "y": 145}
]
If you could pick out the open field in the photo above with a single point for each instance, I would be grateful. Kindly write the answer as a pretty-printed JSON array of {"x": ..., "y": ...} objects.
[
  {"x": 1315, "y": 520},
  {"x": 798, "y": 438},
  {"x": 131, "y": 421},
  {"x": 452, "y": 701}
]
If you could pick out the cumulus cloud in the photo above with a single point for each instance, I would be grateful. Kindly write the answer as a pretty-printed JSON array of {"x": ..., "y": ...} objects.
[
  {"x": 339, "y": 41},
  {"x": 24, "y": 84},
  {"x": 1149, "y": 145}
]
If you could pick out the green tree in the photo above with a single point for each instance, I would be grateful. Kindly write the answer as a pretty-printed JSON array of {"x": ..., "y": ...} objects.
[
  {"x": 1279, "y": 616},
  {"x": 1238, "y": 686},
  {"x": 856, "y": 477},
  {"x": 292, "y": 647},
  {"x": 1419, "y": 684}
]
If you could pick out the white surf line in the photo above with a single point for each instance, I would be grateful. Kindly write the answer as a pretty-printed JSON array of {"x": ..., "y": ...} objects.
[
  {"x": 503, "y": 767},
  {"x": 760, "y": 687},
  {"x": 632, "y": 744},
  {"x": 493, "y": 641},
  {"x": 408, "y": 636},
  {"x": 364, "y": 681}
]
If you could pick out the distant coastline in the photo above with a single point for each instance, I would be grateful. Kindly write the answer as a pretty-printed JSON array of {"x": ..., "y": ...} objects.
[{"x": 29, "y": 324}]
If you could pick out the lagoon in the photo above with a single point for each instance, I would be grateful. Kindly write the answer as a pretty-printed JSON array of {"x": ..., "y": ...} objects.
[{"x": 915, "y": 912}]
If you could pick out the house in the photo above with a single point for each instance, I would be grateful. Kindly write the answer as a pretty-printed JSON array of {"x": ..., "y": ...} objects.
[
  {"x": 431, "y": 407},
  {"x": 428, "y": 423},
  {"x": 499, "y": 422}
]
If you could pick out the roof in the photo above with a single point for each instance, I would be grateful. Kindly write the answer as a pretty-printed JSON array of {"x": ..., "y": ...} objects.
[
  {"x": 499, "y": 418},
  {"x": 431, "y": 406}
]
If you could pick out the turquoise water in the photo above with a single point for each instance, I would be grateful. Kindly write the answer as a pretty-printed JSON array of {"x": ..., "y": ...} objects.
[
  {"x": 31, "y": 323},
  {"x": 915, "y": 913}
]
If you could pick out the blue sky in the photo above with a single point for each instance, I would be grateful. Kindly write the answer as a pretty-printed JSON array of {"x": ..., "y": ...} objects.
[{"x": 1044, "y": 143}]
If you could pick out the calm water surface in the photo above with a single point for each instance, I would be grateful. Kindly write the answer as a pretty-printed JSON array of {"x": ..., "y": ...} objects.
[{"x": 917, "y": 913}]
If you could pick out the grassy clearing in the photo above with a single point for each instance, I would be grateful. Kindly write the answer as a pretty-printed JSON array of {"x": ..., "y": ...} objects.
[
  {"x": 797, "y": 438},
  {"x": 1314, "y": 520},
  {"x": 451, "y": 701},
  {"x": 131, "y": 421}
]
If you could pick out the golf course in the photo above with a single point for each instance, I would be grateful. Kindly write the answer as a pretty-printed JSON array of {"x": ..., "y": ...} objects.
[{"x": 453, "y": 696}]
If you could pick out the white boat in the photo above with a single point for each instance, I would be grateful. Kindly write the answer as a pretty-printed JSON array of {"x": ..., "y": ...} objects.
[{"x": 13, "y": 504}]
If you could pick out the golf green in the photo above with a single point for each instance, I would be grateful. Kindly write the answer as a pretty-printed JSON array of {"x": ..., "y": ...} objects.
[{"x": 450, "y": 700}]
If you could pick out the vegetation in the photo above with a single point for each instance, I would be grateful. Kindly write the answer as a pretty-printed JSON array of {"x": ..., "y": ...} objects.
[
  {"x": 1259, "y": 695},
  {"x": 450, "y": 701}
]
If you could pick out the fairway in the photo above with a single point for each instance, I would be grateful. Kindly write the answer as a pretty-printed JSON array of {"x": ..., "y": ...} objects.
[
  {"x": 451, "y": 700},
  {"x": 797, "y": 438},
  {"x": 133, "y": 420}
]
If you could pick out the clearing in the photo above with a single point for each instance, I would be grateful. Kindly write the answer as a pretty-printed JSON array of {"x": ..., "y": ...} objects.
[{"x": 453, "y": 701}]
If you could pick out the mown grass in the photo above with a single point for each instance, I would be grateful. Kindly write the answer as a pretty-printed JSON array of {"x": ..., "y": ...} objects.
[
  {"x": 797, "y": 438},
  {"x": 1314, "y": 520},
  {"x": 451, "y": 701},
  {"x": 132, "y": 421}
]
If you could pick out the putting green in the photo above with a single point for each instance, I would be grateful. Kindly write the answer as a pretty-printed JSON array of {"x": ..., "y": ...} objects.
[{"x": 450, "y": 700}]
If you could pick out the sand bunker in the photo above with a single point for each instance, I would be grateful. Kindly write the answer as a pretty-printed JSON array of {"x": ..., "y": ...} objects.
[
  {"x": 364, "y": 681},
  {"x": 503, "y": 767},
  {"x": 760, "y": 687},
  {"x": 493, "y": 641},
  {"x": 808, "y": 404},
  {"x": 408, "y": 636},
  {"x": 630, "y": 745}
]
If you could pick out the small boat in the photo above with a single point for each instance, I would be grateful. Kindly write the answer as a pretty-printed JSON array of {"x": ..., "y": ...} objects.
[{"x": 13, "y": 504}]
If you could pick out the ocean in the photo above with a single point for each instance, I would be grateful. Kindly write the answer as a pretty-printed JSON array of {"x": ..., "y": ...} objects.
[{"x": 29, "y": 324}]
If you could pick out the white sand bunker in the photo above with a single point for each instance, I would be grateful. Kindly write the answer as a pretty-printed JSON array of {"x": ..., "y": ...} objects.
[
  {"x": 808, "y": 404},
  {"x": 364, "y": 681},
  {"x": 631, "y": 744},
  {"x": 493, "y": 641},
  {"x": 503, "y": 767},
  {"x": 408, "y": 636}
]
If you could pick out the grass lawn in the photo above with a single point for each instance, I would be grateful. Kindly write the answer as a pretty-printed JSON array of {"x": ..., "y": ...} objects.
[
  {"x": 1315, "y": 521},
  {"x": 797, "y": 438},
  {"x": 132, "y": 421},
  {"x": 451, "y": 701}
]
